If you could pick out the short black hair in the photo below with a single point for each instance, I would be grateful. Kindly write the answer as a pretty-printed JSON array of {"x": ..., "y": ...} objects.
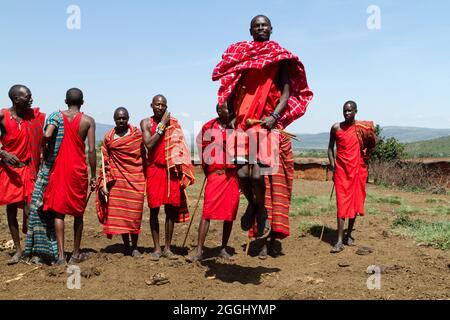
[
  {"x": 74, "y": 96},
  {"x": 159, "y": 96},
  {"x": 15, "y": 89},
  {"x": 121, "y": 109},
  {"x": 352, "y": 103},
  {"x": 260, "y": 16}
]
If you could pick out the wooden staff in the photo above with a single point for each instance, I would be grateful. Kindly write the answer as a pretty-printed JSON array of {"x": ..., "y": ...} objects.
[
  {"x": 89, "y": 196},
  {"x": 252, "y": 122},
  {"x": 195, "y": 211},
  {"x": 104, "y": 175},
  {"x": 323, "y": 225},
  {"x": 248, "y": 245}
]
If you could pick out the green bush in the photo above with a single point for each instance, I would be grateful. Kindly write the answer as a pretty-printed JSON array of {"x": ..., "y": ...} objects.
[{"x": 387, "y": 149}]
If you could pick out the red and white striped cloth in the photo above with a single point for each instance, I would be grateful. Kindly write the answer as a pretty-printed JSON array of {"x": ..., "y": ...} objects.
[{"x": 256, "y": 55}]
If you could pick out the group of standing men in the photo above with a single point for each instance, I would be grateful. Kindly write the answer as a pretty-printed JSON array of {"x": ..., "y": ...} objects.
[{"x": 245, "y": 149}]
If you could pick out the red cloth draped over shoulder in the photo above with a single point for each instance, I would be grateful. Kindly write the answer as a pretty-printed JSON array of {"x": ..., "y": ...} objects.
[
  {"x": 68, "y": 181},
  {"x": 350, "y": 174},
  {"x": 125, "y": 182},
  {"x": 250, "y": 55},
  {"x": 169, "y": 170},
  {"x": 365, "y": 130},
  {"x": 24, "y": 140},
  {"x": 221, "y": 200}
]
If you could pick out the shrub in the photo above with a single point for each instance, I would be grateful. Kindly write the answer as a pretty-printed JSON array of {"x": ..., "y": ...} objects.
[{"x": 387, "y": 149}]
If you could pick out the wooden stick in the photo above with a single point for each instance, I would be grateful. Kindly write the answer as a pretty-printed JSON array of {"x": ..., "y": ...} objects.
[
  {"x": 21, "y": 275},
  {"x": 248, "y": 246},
  {"x": 252, "y": 122},
  {"x": 89, "y": 196},
  {"x": 104, "y": 174},
  {"x": 195, "y": 211},
  {"x": 323, "y": 225}
]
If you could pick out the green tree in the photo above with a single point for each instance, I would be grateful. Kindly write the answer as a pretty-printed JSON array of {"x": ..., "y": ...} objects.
[{"x": 387, "y": 149}]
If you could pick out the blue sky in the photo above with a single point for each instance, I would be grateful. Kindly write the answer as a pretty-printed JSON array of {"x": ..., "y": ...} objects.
[{"x": 128, "y": 51}]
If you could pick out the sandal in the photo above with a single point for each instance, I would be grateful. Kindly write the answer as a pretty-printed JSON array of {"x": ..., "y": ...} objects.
[
  {"x": 169, "y": 255},
  {"x": 155, "y": 256},
  {"x": 81, "y": 257},
  {"x": 60, "y": 262},
  {"x": 263, "y": 254},
  {"x": 194, "y": 259},
  {"x": 349, "y": 240},
  {"x": 136, "y": 254},
  {"x": 15, "y": 259},
  {"x": 338, "y": 247}
]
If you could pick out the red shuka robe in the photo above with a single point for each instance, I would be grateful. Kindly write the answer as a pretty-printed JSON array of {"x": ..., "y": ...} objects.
[
  {"x": 68, "y": 181},
  {"x": 125, "y": 181},
  {"x": 222, "y": 194},
  {"x": 257, "y": 96},
  {"x": 157, "y": 186},
  {"x": 24, "y": 141},
  {"x": 350, "y": 174}
]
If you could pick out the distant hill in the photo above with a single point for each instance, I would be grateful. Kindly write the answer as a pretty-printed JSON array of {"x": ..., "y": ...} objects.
[
  {"x": 101, "y": 129},
  {"x": 413, "y": 134},
  {"x": 402, "y": 134},
  {"x": 435, "y": 148}
]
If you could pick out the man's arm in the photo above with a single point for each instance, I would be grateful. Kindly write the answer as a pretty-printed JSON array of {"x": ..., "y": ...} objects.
[
  {"x": 331, "y": 143},
  {"x": 92, "y": 155},
  {"x": 6, "y": 157},
  {"x": 270, "y": 121},
  {"x": 48, "y": 135},
  {"x": 149, "y": 139}
]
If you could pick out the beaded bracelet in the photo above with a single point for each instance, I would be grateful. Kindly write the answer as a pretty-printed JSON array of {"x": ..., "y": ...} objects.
[
  {"x": 160, "y": 129},
  {"x": 275, "y": 115}
]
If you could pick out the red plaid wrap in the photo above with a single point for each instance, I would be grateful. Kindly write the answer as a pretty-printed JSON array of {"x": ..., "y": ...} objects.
[{"x": 256, "y": 55}]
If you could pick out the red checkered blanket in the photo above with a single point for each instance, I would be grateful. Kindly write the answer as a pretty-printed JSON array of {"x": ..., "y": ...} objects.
[{"x": 248, "y": 55}]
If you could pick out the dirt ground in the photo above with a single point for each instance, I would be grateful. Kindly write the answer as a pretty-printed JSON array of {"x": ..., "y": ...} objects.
[{"x": 306, "y": 270}]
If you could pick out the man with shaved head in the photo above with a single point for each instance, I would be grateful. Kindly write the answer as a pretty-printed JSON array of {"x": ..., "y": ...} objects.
[
  {"x": 63, "y": 181},
  {"x": 120, "y": 198},
  {"x": 21, "y": 138},
  {"x": 266, "y": 87},
  {"x": 169, "y": 172},
  {"x": 354, "y": 140}
]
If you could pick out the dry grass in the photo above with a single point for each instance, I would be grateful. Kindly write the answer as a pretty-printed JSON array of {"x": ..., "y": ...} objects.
[{"x": 410, "y": 176}]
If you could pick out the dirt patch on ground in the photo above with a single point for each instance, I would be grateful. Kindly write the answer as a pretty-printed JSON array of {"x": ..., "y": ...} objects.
[{"x": 306, "y": 270}]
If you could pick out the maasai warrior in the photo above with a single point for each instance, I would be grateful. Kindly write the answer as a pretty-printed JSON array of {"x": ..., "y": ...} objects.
[
  {"x": 21, "y": 129},
  {"x": 120, "y": 204},
  {"x": 67, "y": 187},
  {"x": 354, "y": 140},
  {"x": 169, "y": 172},
  {"x": 222, "y": 194},
  {"x": 262, "y": 81}
]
